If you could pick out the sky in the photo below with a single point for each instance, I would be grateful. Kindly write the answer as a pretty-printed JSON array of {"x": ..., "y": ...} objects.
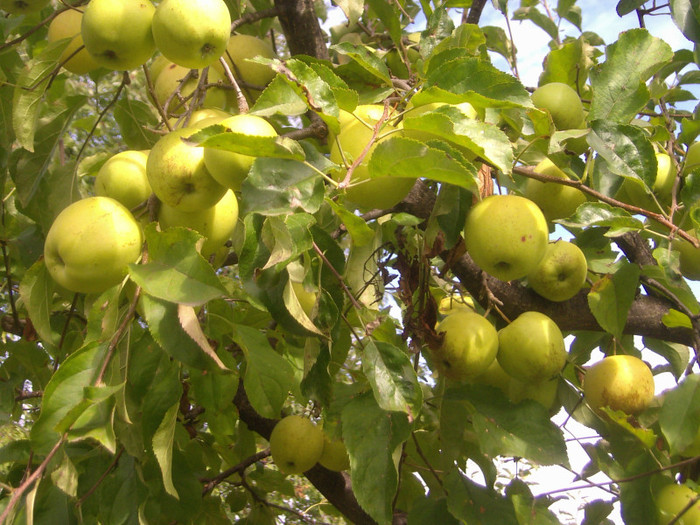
[{"x": 531, "y": 42}]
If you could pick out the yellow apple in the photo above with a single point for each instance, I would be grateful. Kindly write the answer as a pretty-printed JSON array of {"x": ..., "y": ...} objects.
[
  {"x": 170, "y": 81},
  {"x": 620, "y": 382},
  {"x": 216, "y": 223},
  {"x": 239, "y": 49},
  {"x": 67, "y": 25},
  {"x": 22, "y": 7},
  {"x": 192, "y": 33},
  {"x": 123, "y": 177},
  {"x": 296, "y": 444},
  {"x": 117, "y": 33},
  {"x": 227, "y": 167},
  {"x": 450, "y": 303},
  {"x": 506, "y": 235},
  {"x": 544, "y": 392},
  {"x": 156, "y": 67},
  {"x": 531, "y": 348},
  {"x": 354, "y": 137},
  {"x": 556, "y": 201},
  {"x": 335, "y": 455},
  {"x": 562, "y": 102},
  {"x": 494, "y": 376},
  {"x": 90, "y": 245},
  {"x": 469, "y": 346},
  {"x": 673, "y": 498},
  {"x": 561, "y": 272},
  {"x": 178, "y": 176},
  {"x": 634, "y": 193}
]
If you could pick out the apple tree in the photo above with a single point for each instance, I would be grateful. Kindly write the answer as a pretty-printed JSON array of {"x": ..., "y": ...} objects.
[{"x": 278, "y": 261}]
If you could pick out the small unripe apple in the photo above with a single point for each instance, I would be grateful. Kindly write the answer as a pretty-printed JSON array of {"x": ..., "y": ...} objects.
[
  {"x": 506, "y": 235},
  {"x": 469, "y": 346},
  {"x": 192, "y": 33},
  {"x": 335, "y": 455},
  {"x": 689, "y": 257},
  {"x": 296, "y": 444},
  {"x": 117, "y": 33},
  {"x": 123, "y": 177},
  {"x": 90, "y": 245},
  {"x": 556, "y": 201},
  {"x": 672, "y": 499},
  {"x": 67, "y": 25},
  {"x": 620, "y": 382},
  {"x": 531, "y": 348},
  {"x": 561, "y": 272},
  {"x": 562, "y": 102}
]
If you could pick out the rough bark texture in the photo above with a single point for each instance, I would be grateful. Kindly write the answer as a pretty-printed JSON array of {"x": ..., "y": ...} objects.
[{"x": 300, "y": 25}]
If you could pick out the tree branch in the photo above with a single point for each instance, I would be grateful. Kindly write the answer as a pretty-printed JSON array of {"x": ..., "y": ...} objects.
[{"x": 301, "y": 28}]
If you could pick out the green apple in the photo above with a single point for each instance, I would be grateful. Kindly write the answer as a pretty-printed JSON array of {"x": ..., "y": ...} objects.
[
  {"x": 469, "y": 345},
  {"x": 556, "y": 201},
  {"x": 531, "y": 348},
  {"x": 178, "y": 176},
  {"x": 239, "y": 50},
  {"x": 227, "y": 167},
  {"x": 123, "y": 178},
  {"x": 192, "y": 33},
  {"x": 506, "y": 235},
  {"x": 544, "y": 392},
  {"x": 673, "y": 498},
  {"x": 67, "y": 25},
  {"x": 216, "y": 223},
  {"x": 620, "y": 382},
  {"x": 156, "y": 67},
  {"x": 170, "y": 81},
  {"x": 494, "y": 376},
  {"x": 689, "y": 257},
  {"x": 562, "y": 102},
  {"x": 634, "y": 193},
  {"x": 117, "y": 33},
  {"x": 296, "y": 444},
  {"x": 692, "y": 158},
  {"x": 22, "y": 7},
  {"x": 561, "y": 272},
  {"x": 207, "y": 116},
  {"x": 90, "y": 245},
  {"x": 354, "y": 137},
  {"x": 335, "y": 455},
  {"x": 453, "y": 302}
]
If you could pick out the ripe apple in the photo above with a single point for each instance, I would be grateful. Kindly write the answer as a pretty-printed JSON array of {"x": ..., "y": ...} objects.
[
  {"x": 335, "y": 455},
  {"x": 354, "y": 136},
  {"x": 621, "y": 382},
  {"x": 632, "y": 192},
  {"x": 156, "y": 67},
  {"x": 671, "y": 499},
  {"x": 556, "y": 201},
  {"x": 170, "y": 80},
  {"x": 91, "y": 243},
  {"x": 451, "y": 303},
  {"x": 227, "y": 167},
  {"x": 22, "y": 7},
  {"x": 117, "y": 33},
  {"x": 562, "y": 102},
  {"x": 544, "y": 392},
  {"x": 192, "y": 33},
  {"x": 67, "y": 25},
  {"x": 123, "y": 178},
  {"x": 531, "y": 348},
  {"x": 216, "y": 224},
  {"x": 239, "y": 49},
  {"x": 296, "y": 444},
  {"x": 506, "y": 235},
  {"x": 561, "y": 272},
  {"x": 178, "y": 176},
  {"x": 689, "y": 257},
  {"x": 469, "y": 346},
  {"x": 494, "y": 376}
]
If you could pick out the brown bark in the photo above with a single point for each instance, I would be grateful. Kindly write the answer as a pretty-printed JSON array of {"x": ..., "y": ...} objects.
[{"x": 301, "y": 28}]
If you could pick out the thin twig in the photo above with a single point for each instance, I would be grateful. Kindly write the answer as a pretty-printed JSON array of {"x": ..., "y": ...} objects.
[{"x": 210, "y": 483}]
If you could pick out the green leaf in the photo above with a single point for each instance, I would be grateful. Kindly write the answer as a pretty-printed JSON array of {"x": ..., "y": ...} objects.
[
  {"x": 279, "y": 98},
  {"x": 134, "y": 118},
  {"x": 676, "y": 354},
  {"x": 408, "y": 158},
  {"x": 627, "y": 6},
  {"x": 389, "y": 16},
  {"x": 280, "y": 186},
  {"x": 483, "y": 139},
  {"x": 65, "y": 391},
  {"x": 679, "y": 416},
  {"x": 485, "y": 85},
  {"x": 685, "y": 16},
  {"x": 429, "y": 511},
  {"x": 163, "y": 448},
  {"x": 308, "y": 85},
  {"x": 569, "y": 64},
  {"x": 29, "y": 91},
  {"x": 373, "y": 438},
  {"x": 36, "y": 289},
  {"x": 268, "y": 376},
  {"x": 175, "y": 272},
  {"x": 539, "y": 19},
  {"x": 394, "y": 382},
  {"x": 357, "y": 227},
  {"x": 219, "y": 137},
  {"x": 474, "y": 503},
  {"x": 603, "y": 215},
  {"x": 287, "y": 238},
  {"x": 527, "y": 508},
  {"x": 352, "y": 9},
  {"x": 612, "y": 296},
  {"x": 618, "y": 85},
  {"x": 369, "y": 62},
  {"x": 523, "y": 430}
]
